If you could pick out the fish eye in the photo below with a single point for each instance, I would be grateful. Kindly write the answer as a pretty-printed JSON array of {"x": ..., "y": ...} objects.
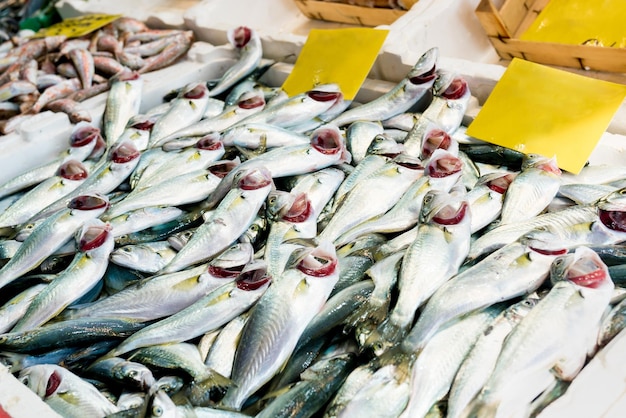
[
  {"x": 157, "y": 411},
  {"x": 25, "y": 380},
  {"x": 558, "y": 262},
  {"x": 254, "y": 227},
  {"x": 132, "y": 373}
]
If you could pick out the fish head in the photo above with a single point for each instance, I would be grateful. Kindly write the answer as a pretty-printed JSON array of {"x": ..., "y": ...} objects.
[
  {"x": 94, "y": 234},
  {"x": 195, "y": 91},
  {"x": 497, "y": 181},
  {"x": 520, "y": 309},
  {"x": 124, "y": 152},
  {"x": 240, "y": 36},
  {"x": 251, "y": 100},
  {"x": 223, "y": 167},
  {"x": 232, "y": 261},
  {"x": 541, "y": 162},
  {"x": 328, "y": 140},
  {"x": 320, "y": 261},
  {"x": 125, "y": 75},
  {"x": 583, "y": 267},
  {"x": 300, "y": 209},
  {"x": 254, "y": 276},
  {"x": 256, "y": 231},
  {"x": 86, "y": 136},
  {"x": 444, "y": 208},
  {"x": 160, "y": 405},
  {"x": 136, "y": 373},
  {"x": 443, "y": 163},
  {"x": 43, "y": 379},
  {"x": 142, "y": 122},
  {"x": 210, "y": 142},
  {"x": 612, "y": 210},
  {"x": 450, "y": 86},
  {"x": 383, "y": 144},
  {"x": 423, "y": 71},
  {"x": 436, "y": 138},
  {"x": 254, "y": 178},
  {"x": 278, "y": 203},
  {"x": 89, "y": 202},
  {"x": 73, "y": 170},
  {"x": 545, "y": 240}
]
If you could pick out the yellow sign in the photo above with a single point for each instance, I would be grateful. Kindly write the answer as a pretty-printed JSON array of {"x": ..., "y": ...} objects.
[
  {"x": 538, "y": 109},
  {"x": 596, "y": 22},
  {"x": 77, "y": 26},
  {"x": 341, "y": 56}
]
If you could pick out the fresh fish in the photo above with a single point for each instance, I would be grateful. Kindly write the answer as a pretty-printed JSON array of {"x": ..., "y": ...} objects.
[
  {"x": 221, "y": 355},
  {"x": 433, "y": 372},
  {"x": 425, "y": 137},
  {"x": 206, "y": 314},
  {"x": 121, "y": 162},
  {"x": 51, "y": 235},
  {"x": 117, "y": 371},
  {"x": 532, "y": 189},
  {"x": 388, "y": 184},
  {"x": 359, "y": 136},
  {"x": 69, "y": 176},
  {"x": 145, "y": 258},
  {"x": 16, "y": 88},
  {"x": 595, "y": 174},
  {"x": 450, "y": 101},
  {"x": 278, "y": 320},
  {"x": 140, "y": 219},
  {"x": 66, "y": 393},
  {"x": 95, "y": 243},
  {"x": 612, "y": 323},
  {"x": 176, "y": 49},
  {"x": 442, "y": 243},
  {"x": 479, "y": 363},
  {"x": 518, "y": 268},
  {"x": 261, "y": 136},
  {"x": 83, "y": 62},
  {"x": 71, "y": 108},
  {"x": 58, "y": 91},
  {"x": 174, "y": 292},
  {"x": 585, "y": 194},
  {"x": 184, "y": 111},
  {"x": 401, "y": 98},
  {"x": 317, "y": 385},
  {"x": 123, "y": 101},
  {"x": 299, "y": 108},
  {"x": 537, "y": 348},
  {"x": 441, "y": 174},
  {"x": 15, "y": 308},
  {"x": 486, "y": 198},
  {"x": 227, "y": 222},
  {"x": 247, "y": 43}
]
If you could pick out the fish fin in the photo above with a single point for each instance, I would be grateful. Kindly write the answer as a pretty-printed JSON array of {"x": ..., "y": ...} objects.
[{"x": 385, "y": 336}]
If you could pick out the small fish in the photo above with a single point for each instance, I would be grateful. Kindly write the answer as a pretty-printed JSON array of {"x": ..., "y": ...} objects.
[
  {"x": 122, "y": 103},
  {"x": 145, "y": 258},
  {"x": 140, "y": 219},
  {"x": 176, "y": 49},
  {"x": 119, "y": 371},
  {"x": 15, "y": 88},
  {"x": 247, "y": 43},
  {"x": 15, "y": 308},
  {"x": 221, "y": 354},
  {"x": 83, "y": 62},
  {"x": 58, "y": 91}
]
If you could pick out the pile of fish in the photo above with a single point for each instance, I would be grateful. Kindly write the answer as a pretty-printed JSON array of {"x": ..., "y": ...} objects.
[
  {"x": 56, "y": 73},
  {"x": 238, "y": 252}
]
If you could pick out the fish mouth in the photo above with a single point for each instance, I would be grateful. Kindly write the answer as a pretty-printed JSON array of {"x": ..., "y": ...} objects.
[
  {"x": 444, "y": 166},
  {"x": 324, "y": 96},
  {"x": 256, "y": 178},
  {"x": 225, "y": 273},
  {"x": 613, "y": 219},
  {"x": 143, "y": 125},
  {"x": 317, "y": 263},
  {"x": 84, "y": 136},
  {"x": 241, "y": 36},
  {"x": 300, "y": 209},
  {"x": 327, "y": 141},
  {"x": 424, "y": 77},
  {"x": 210, "y": 142},
  {"x": 124, "y": 153},
  {"x": 197, "y": 92},
  {"x": 501, "y": 184},
  {"x": 126, "y": 76},
  {"x": 253, "y": 277},
  {"x": 251, "y": 101},
  {"x": 94, "y": 236},
  {"x": 73, "y": 170},
  {"x": 586, "y": 272},
  {"x": 88, "y": 202},
  {"x": 222, "y": 168},
  {"x": 456, "y": 89},
  {"x": 451, "y": 215},
  {"x": 425, "y": 68},
  {"x": 54, "y": 381},
  {"x": 435, "y": 139}
]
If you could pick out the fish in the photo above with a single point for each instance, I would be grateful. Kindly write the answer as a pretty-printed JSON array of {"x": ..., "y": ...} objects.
[
  {"x": 51, "y": 234},
  {"x": 359, "y": 136},
  {"x": 227, "y": 222},
  {"x": 247, "y": 43},
  {"x": 261, "y": 136},
  {"x": 486, "y": 198},
  {"x": 15, "y": 308},
  {"x": 401, "y": 97},
  {"x": 145, "y": 258},
  {"x": 140, "y": 219},
  {"x": 278, "y": 320},
  {"x": 122, "y": 103},
  {"x": 175, "y": 50},
  {"x": 83, "y": 62},
  {"x": 451, "y": 98},
  {"x": 66, "y": 393},
  {"x": 120, "y": 371},
  {"x": 221, "y": 353}
]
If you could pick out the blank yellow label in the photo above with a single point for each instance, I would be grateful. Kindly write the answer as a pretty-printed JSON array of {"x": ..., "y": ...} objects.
[
  {"x": 77, "y": 26},
  {"x": 597, "y": 22},
  {"x": 341, "y": 56},
  {"x": 538, "y": 109}
]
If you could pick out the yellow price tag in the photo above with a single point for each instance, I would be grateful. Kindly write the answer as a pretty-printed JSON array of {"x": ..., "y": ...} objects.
[
  {"x": 538, "y": 109},
  {"x": 596, "y": 22},
  {"x": 75, "y": 27},
  {"x": 341, "y": 56}
]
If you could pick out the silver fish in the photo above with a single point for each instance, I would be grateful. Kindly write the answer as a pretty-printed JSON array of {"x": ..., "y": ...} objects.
[
  {"x": 95, "y": 243},
  {"x": 146, "y": 258},
  {"x": 248, "y": 45},
  {"x": 425, "y": 137},
  {"x": 174, "y": 292},
  {"x": 51, "y": 235},
  {"x": 450, "y": 101},
  {"x": 261, "y": 136},
  {"x": 535, "y": 349},
  {"x": 359, "y": 136},
  {"x": 221, "y": 355},
  {"x": 405, "y": 94},
  {"x": 66, "y": 393},
  {"x": 119, "y": 371},
  {"x": 140, "y": 219},
  {"x": 227, "y": 222},
  {"x": 278, "y": 320},
  {"x": 15, "y": 308},
  {"x": 486, "y": 198}
]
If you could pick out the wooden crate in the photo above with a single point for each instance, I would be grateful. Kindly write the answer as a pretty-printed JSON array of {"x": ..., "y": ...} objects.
[
  {"x": 505, "y": 24},
  {"x": 347, "y": 13}
]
